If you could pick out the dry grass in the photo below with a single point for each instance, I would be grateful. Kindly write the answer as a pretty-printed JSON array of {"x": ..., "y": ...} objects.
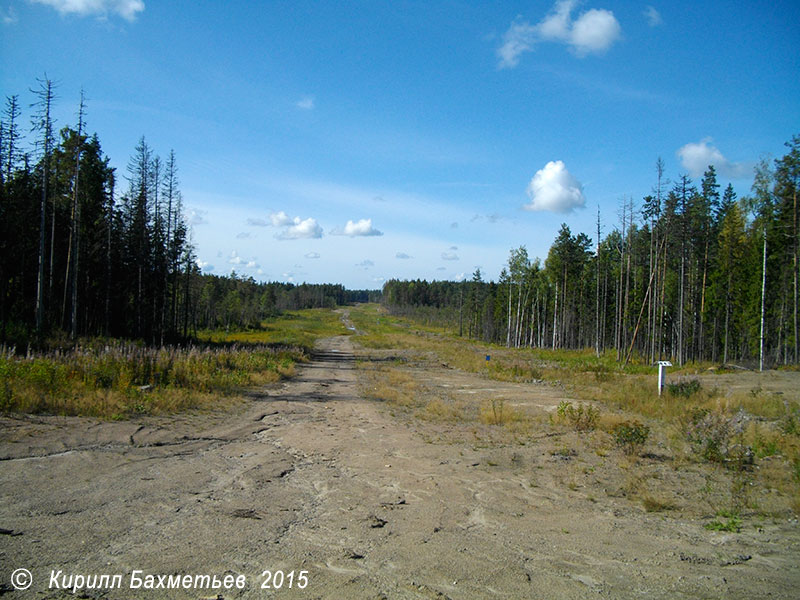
[
  {"x": 402, "y": 390},
  {"x": 119, "y": 379},
  {"x": 498, "y": 411},
  {"x": 771, "y": 432},
  {"x": 390, "y": 385},
  {"x": 446, "y": 410}
]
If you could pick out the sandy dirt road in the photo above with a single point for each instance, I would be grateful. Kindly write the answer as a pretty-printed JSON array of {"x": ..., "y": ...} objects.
[{"x": 308, "y": 476}]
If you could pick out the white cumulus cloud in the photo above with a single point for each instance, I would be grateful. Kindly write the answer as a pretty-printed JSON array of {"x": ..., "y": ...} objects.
[
  {"x": 360, "y": 228},
  {"x": 449, "y": 256},
  {"x": 257, "y": 222},
  {"x": 301, "y": 229},
  {"x": 402, "y": 256},
  {"x": 554, "y": 189},
  {"x": 293, "y": 228},
  {"x": 280, "y": 219},
  {"x": 593, "y": 31},
  {"x": 237, "y": 260},
  {"x": 127, "y": 9},
  {"x": 312, "y": 255},
  {"x": 697, "y": 156}
]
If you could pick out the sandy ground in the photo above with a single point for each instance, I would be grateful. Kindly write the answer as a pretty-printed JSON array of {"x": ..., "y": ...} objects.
[{"x": 307, "y": 477}]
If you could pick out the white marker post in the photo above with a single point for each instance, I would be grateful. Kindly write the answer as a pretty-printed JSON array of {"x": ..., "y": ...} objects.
[{"x": 662, "y": 373}]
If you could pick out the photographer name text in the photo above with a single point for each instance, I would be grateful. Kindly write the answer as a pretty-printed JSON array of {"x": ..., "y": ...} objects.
[{"x": 139, "y": 580}]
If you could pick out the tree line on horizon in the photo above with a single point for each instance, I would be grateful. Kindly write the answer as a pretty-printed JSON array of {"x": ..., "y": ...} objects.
[
  {"x": 690, "y": 274},
  {"x": 77, "y": 258}
]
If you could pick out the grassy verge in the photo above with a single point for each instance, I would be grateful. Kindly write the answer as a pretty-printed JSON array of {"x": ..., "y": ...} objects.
[
  {"x": 117, "y": 380},
  {"x": 742, "y": 440}
]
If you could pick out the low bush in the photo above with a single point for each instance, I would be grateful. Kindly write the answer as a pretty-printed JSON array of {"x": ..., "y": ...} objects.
[
  {"x": 709, "y": 434},
  {"x": 583, "y": 418},
  {"x": 684, "y": 388},
  {"x": 630, "y": 436}
]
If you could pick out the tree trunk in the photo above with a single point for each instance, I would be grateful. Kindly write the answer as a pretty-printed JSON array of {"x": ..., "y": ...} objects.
[
  {"x": 555, "y": 313},
  {"x": 46, "y": 97},
  {"x": 763, "y": 301},
  {"x": 597, "y": 292},
  {"x": 794, "y": 271},
  {"x": 76, "y": 208},
  {"x": 701, "y": 345},
  {"x": 508, "y": 328}
]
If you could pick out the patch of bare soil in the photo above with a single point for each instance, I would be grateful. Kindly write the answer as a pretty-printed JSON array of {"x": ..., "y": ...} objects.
[{"x": 309, "y": 476}]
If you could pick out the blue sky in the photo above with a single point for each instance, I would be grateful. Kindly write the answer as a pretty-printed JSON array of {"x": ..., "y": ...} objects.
[{"x": 353, "y": 142}]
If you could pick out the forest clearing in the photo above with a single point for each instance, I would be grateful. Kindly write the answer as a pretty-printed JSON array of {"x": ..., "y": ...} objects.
[
  {"x": 433, "y": 300},
  {"x": 396, "y": 461}
]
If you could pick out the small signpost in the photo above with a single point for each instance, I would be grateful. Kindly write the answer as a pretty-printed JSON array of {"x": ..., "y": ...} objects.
[{"x": 662, "y": 372}]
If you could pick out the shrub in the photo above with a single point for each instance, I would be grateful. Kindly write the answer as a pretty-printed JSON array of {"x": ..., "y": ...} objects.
[
  {"x": 583, "y": 418},
  {"x": 630, "y": 436},
  {"x": 709, "y": 434},
  {"x": 684, "y": 388}
]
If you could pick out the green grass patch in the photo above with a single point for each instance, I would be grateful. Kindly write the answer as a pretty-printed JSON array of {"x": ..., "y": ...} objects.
[
  {"x": 300, "y": 328},
  {"x": 725, "y": 521}
]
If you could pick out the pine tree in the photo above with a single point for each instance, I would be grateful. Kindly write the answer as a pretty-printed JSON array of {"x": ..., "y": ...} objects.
[
  {"x": 11, "y": 136},
  {"x": 730, "y": 274}
]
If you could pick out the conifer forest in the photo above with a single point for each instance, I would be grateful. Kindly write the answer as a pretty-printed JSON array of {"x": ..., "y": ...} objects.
[
  {"x": 690, "y": 272},
  {"x": 88, "y": 251}
]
